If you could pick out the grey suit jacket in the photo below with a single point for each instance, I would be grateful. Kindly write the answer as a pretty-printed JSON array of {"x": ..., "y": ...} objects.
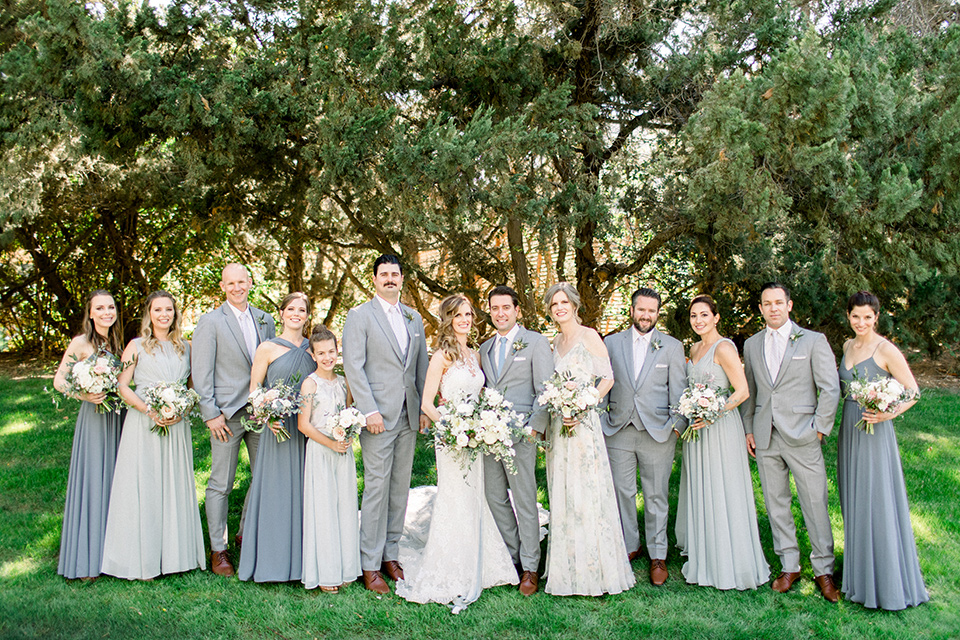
[
  {"x": 380, "y": 377},
  {"x": 802, "y": 401},
  {"x": 645, "y": 400},
  {"x": 220, "y": 362},
  {"x": 522, "y": 375}
]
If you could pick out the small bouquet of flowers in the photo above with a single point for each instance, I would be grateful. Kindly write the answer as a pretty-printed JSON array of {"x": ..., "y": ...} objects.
[
  {"x": 271, "y": 404},
  {"x": 699, "y": 401},
  {"x": 170, "y": 399},
  {"x": 882, "y": 394},
  {"x": 568, "y": 397},
  {"x": 96, "y": 374},
  {"x": 346, "y": 424},
  {"x": 488, "y": 426}
]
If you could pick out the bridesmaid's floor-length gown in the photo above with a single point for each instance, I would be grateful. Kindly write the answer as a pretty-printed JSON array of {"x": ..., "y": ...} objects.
[
  {"x": 273, "y": 532},
  {"x": 880, "y": 565},
  {"x": 716, "y": 515},
  {"x": 586, "y": 554},
  {"x": 153, "y": 526}
]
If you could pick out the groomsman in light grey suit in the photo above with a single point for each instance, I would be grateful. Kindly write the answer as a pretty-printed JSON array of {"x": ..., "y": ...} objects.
[
  {"x": 649, "y": 372},
  {"x": 794, "y": 391},
  {"x": 222, "y": 354},
  {"x": 516, "y": 362},
  {"x": 385, "y": 362}
]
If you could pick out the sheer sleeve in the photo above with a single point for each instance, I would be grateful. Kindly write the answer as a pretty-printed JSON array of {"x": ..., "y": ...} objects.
[{"x": 601, "y": 365}]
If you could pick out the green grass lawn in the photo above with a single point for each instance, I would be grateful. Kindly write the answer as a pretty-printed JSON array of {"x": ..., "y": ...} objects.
[{"x": 35, "y": 441}]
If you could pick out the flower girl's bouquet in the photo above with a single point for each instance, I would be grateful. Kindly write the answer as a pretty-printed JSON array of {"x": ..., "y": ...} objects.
[
  {"x": 96, "y": 374},
  {"x": 880, "y": 395},
  {"x": 699, "y": 401},
  {"x": 271, "y": 404},
  {"x": 346, "y": 424},
  {"x": 487, "y": 426},
  {"x": 170, "y": 399},
  {"x": 567, "y": 397}
]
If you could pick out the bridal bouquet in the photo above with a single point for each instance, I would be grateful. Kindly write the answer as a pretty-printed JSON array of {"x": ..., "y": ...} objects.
[
  {"x": 271, "y": 404},
  {"x": 882, "y": 394},
  {"x": 96, "y": 374},
  {"x": 568, "y": 397},
  {"x": 170, "y": 399},
  {"x": 699, "y": 401},
  {"x": 486, "y": 426},
  {"x": 346, "y": 424}
]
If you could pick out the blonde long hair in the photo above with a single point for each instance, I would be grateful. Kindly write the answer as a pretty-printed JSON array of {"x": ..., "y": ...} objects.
[
  {"x": 146, "y": 326},
  {"x": 446, "y": 337}
]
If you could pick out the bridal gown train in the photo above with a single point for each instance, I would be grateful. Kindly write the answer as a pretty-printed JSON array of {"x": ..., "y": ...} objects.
[{"x": 463, "y": 553}]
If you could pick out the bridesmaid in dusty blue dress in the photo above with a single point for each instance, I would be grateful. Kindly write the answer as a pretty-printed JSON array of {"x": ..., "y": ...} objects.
[
  {"x": 95, "y": 441},
  {"x": 880, "y": 564},
  {"x": 716, "y": 515},
  {"x": 273, "y": 533}
]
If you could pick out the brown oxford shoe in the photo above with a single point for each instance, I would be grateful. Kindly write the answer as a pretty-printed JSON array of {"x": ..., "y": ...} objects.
[
  {"x": 658, "y": 572},
  {"x": 529, "y": 581},
  {"x": 393, "y": 569},
  {"x": 220, "y": 564},
  {"x": 827, "y": 588},
  {"x": 784, "y": 581},
  {"x": 633, "y": 555},
  {"x": 373, "y": 581}
]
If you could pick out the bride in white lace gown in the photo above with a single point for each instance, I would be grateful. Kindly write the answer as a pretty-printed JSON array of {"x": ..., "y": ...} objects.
[
  {"x": 586, "y": 553},
  {"x": 463, "y": 553}
]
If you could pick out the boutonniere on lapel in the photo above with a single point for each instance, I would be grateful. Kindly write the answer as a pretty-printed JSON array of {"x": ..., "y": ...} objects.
[
  {"x": 655, "y": 344},
  {"x": 261, "y": 322},
  {"x": 408, "y": 316},
  {"x": 518, "y": 345},
  {"x": 796, "y": 335}
]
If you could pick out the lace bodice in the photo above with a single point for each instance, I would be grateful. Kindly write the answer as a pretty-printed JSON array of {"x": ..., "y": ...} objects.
[{"x": 463, "y": 379}]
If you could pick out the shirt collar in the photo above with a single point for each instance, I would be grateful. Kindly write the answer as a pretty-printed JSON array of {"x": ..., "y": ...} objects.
[
  {"x": 784, "y": 331},
  {"x": 642, "y": 337},
  {"x": 237, "y": 313},
  {"x": 386, "y": 305},
  {"x": 511, "y": 335}
]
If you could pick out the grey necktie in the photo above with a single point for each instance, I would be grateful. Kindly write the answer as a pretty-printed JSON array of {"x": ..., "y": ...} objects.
[
  {"x": 775, "y": 348},
  {"x": 249, "y": 333}
]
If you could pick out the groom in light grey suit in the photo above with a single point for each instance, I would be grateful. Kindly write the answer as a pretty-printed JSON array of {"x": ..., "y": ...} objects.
[
  {"x": 516, "y": 362},
  {"x": 385, "y": 362},
  {"x": 222, "y": 354},
  {"x": 794, "y": 391},
  {"x": 649, "y": 372}
]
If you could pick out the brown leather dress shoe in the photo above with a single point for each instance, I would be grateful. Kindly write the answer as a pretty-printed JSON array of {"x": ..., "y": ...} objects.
[
  {"x": 529, "y": 581},
  {"x": 784, "y": 581},
  {"x": 658, "y": 572},
  {"x": 220, "y": 564},
  {"x": 633, "y": 555},
  {"x": 827, "y": 588},
  {"x": 393, "y": 569},
  {"x": 373, "y": 581}
]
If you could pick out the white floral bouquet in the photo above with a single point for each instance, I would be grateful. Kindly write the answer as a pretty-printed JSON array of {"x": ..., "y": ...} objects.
[
  {"x": 486, "y": 426},
  {"x": 96, "y": 374},
  {"x": 882, "y": 394},
  {"x": 269, "y": 404},
  {"x": 568, "y": 397},
  {"x": 346, "y": 424},
  {"x": 169, "y": 400},
  {"x": 699, "y": 401}
]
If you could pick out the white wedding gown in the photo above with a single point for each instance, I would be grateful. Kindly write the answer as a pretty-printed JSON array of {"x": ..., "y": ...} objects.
[{"x": 463, "y": 553}]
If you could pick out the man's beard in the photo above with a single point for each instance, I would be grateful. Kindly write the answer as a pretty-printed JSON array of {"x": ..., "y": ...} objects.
[{"x": 637, "y": 326}]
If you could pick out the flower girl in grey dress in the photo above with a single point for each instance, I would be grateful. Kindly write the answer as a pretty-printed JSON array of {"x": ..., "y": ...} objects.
[{"x": 331, "y": 530}]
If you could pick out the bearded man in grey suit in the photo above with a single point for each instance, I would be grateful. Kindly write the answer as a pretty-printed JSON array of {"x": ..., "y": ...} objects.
[
  {"x": 516, "y": 362},
  {"x": 649, "y": 372},
  {"x": 794, "y": 391},
  {"x": 385, "y": 362},
  {"x": 222, "y": 353}
]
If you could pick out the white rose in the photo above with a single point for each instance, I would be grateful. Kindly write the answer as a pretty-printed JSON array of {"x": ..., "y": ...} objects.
[
  {"x": 167, "y": 412},
  {"x": 462, "y": 440}
]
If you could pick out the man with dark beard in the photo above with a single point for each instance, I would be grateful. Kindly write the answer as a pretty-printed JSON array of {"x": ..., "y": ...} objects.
[{"x": 649, "y": 372}]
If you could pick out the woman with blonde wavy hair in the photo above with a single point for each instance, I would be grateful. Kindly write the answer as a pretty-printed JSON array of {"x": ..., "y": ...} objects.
[
  {"x": 153, "y": 523},
  {"x": 464, "y": 552}
]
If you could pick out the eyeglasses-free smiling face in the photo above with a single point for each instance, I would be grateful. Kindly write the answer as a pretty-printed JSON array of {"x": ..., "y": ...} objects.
[
  {"x": 645, "y": 313},
  {"x": 103, "y": 312},
  {"x": 775, "y": 307},
  {"x": 235, "y": 282},
  {"x": 702, "y": 319},
  {"x": 862, "y": 319},
  {"x": 561, "y": 309},
  {"x": 503, "y": 313},
  {"x": 388, "y": 281}
]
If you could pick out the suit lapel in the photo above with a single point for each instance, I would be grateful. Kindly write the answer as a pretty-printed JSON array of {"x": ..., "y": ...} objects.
[
  {"x": 381, "y": 318},
  {"x": 787, "y": 355},
  {"x": 626, "y": 345},
  {"x": 234, "y": 327},
  {"x": 648, "y": 361},
  {"x": 258, "y": 326},
  {"x": 404, "y": 312},
  {"x": 508, "y": 360},
  {"x": 763, "y": 357}
]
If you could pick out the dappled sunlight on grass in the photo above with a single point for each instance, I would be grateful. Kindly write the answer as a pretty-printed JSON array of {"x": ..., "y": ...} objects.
[
  {"x": 14, "y": 425},
  {"x": 18, "y": 568},
  {"x": 924, "y": 530}
]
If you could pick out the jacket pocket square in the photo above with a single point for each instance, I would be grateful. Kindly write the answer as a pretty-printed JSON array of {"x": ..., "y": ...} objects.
[
  {"x": 519, "y": 359},
  {"x": 799, "y": 357},
  {"x": 661, "y": 366}
]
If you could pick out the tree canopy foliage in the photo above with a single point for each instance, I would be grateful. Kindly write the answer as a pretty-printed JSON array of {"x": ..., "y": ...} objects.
[{"x": 693, "y": 145}]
